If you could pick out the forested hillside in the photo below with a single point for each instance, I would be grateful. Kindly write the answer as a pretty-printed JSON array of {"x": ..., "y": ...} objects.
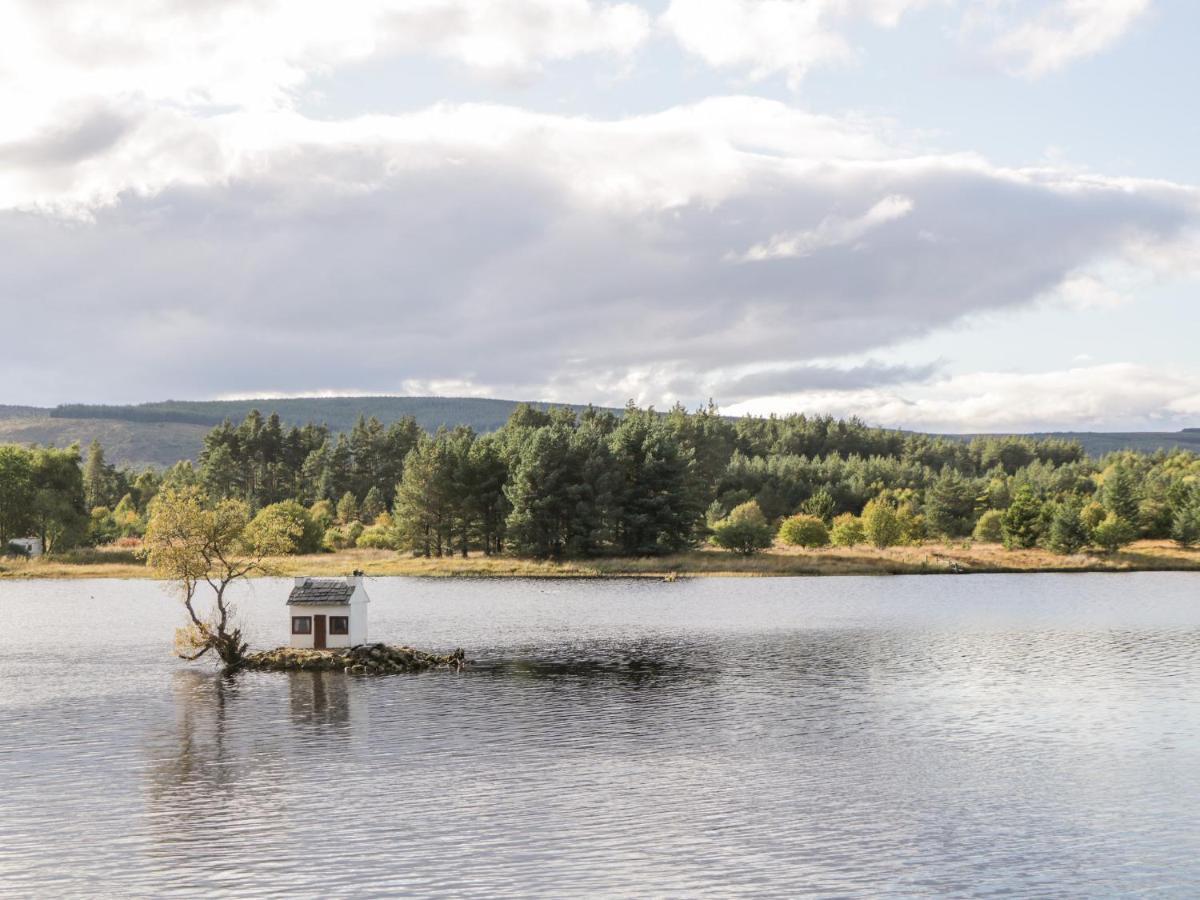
[
  {"x": 160, "y": 434},
  {"x": 338, "y": 413}
]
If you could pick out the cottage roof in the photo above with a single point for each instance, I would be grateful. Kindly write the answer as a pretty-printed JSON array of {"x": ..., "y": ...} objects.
[{"x": 321, "y": 592}]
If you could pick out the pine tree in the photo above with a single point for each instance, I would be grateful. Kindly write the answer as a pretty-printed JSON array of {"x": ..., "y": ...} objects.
[
  {"x": 1068, "y": 532},
  {"x": 424, "y": 506},
  {"x": 337, "y": 476},
  {"x": 347, "y": 509},
  {"x": 1185, "y": 524},
  {"x": 950, "y": 504},
  {"x": 1021, "y": 525},
  {"x": 220, "y": 473},
  {"x": 820, "y": 504},
  {"x": 542, "y": 488},
  {"x": 372, "y": 506},
  {"x": 98, "y": 478},
  {"x": 661, "y": 503},
  {"x": 489, "y": 473},
  {"x": 1120, "y": 493}
]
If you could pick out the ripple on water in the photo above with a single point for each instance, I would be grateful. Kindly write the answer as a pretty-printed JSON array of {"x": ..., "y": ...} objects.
[{"x": 1036, "y": 735}]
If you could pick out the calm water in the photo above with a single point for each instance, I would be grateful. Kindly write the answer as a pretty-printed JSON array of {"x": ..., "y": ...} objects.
[{"x": 1034, "y": 735}]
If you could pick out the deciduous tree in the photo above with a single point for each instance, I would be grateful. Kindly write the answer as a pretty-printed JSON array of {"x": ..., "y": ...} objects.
[
  {"x": 198, "y": 544},
  {"x": 744, "y": 530}
]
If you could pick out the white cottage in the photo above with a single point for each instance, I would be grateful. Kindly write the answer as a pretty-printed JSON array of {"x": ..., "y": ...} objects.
[{"x": 328, "y": 613}]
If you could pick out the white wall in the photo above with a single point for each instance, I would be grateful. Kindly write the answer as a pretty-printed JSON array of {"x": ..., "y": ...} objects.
[
  {"x": 358, "y": 607},
  {"x": 358, "y": 618},
  {"x": 356, "y": 610},
  {"x": 332, "y": 641}
]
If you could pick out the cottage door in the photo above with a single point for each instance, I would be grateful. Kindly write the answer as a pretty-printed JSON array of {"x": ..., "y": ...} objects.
[{"x": 319, "y": 632}]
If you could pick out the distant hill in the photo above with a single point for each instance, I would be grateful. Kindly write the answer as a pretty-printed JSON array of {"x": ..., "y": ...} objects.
[
  {"x": 136, "y": 444},
  {"x": 20, "y": 412},
  {"x": 1098, "y": 443},
  {"x": 160, "y": 434},
  {"x": 339, "y": 413}
]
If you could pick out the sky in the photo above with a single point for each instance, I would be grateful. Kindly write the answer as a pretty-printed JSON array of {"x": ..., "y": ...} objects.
[{"x": 950, "y": 215}]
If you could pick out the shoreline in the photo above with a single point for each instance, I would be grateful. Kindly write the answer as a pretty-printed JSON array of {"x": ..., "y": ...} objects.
[{"x": 924, "y": 559}]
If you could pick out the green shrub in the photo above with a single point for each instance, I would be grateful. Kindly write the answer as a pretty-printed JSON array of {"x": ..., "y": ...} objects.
[
  {"x": 342, "y": 537},
  {"x": 378, "y": 537},
  {"x": 290, "y": 518},
  {"x": 323, "y": 513},
  {"x": 1114, "y": 533},
  {"x": 988, "y": 528},
  {"x": 1092, "y": 514},
  {"x": 881, "y": 525},
  {"x": 912, "y": 524},
  {"x": 804, "y": 531},
  {"x": 847, "y": 531},
  {"x": 744, "y": 530},
  {"x": 102, "y": 527}
]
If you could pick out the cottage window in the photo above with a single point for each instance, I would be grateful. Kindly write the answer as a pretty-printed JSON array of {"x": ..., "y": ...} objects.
[
  {"x": 339, "y": 624},
  {"x": 301, "y": 624}
]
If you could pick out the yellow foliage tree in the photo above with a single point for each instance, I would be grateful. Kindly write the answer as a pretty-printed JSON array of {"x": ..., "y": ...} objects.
[{"x": 196, "y": 544}]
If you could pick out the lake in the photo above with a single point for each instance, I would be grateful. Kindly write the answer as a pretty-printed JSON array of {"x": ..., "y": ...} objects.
[{"x": 1034, "y": 735}]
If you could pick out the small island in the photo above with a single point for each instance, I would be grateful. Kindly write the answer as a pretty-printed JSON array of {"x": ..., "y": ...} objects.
[
  {"x": 327, "y": 619},
  {"x": 364, "y": 659}
]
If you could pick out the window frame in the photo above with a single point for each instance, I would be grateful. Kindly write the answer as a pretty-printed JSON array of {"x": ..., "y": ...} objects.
[
  {"x": 307, "y": 620},
  {"x": 333, "y": 628}
]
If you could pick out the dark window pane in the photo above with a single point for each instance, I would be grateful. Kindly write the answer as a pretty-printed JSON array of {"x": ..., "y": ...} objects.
[
  {"x": 301, "y": 624},
  {"x": 339, "y": 624}
]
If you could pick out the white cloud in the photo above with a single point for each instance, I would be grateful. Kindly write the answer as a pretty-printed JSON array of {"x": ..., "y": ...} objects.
[
  {"x": 832, "y": 231},
  {"x": 1062, "y": 32},
  {"x": 1113, "y": 396},
  {"x": 1082, "y": 291},
  {"x": 763, "y": 37},
  {"x": 523, "y": 254},
  {"x": 223, "y": 54}
]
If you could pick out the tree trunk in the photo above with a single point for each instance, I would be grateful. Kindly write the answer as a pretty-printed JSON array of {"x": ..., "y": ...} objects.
[{"x": 230, "y": 647}]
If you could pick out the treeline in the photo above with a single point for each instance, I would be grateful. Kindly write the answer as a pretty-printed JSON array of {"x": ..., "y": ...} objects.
[
  {"x": 145, "y": 414},
  {"x": 567, "y": 483}
]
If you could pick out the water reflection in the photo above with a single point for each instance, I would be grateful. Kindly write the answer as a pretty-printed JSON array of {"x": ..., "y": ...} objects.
[
  {"x": 191, "y": 762},
  {"x": 320, "y": 699}
]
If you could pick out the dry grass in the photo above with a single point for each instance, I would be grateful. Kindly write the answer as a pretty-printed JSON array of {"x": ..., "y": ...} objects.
[{"x": 932, "y": 558}]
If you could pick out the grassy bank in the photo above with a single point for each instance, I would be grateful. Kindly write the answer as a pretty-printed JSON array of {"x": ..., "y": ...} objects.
[{"x": 930, "y": 558}]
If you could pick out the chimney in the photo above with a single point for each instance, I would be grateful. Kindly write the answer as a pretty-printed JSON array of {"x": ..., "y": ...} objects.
[
  {"x": 355, "y": 579},
  {"x": 300, "y": 579}
]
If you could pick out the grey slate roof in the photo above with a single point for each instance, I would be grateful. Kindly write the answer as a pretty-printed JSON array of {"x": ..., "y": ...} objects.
[{"x": 321, "y": 592}]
